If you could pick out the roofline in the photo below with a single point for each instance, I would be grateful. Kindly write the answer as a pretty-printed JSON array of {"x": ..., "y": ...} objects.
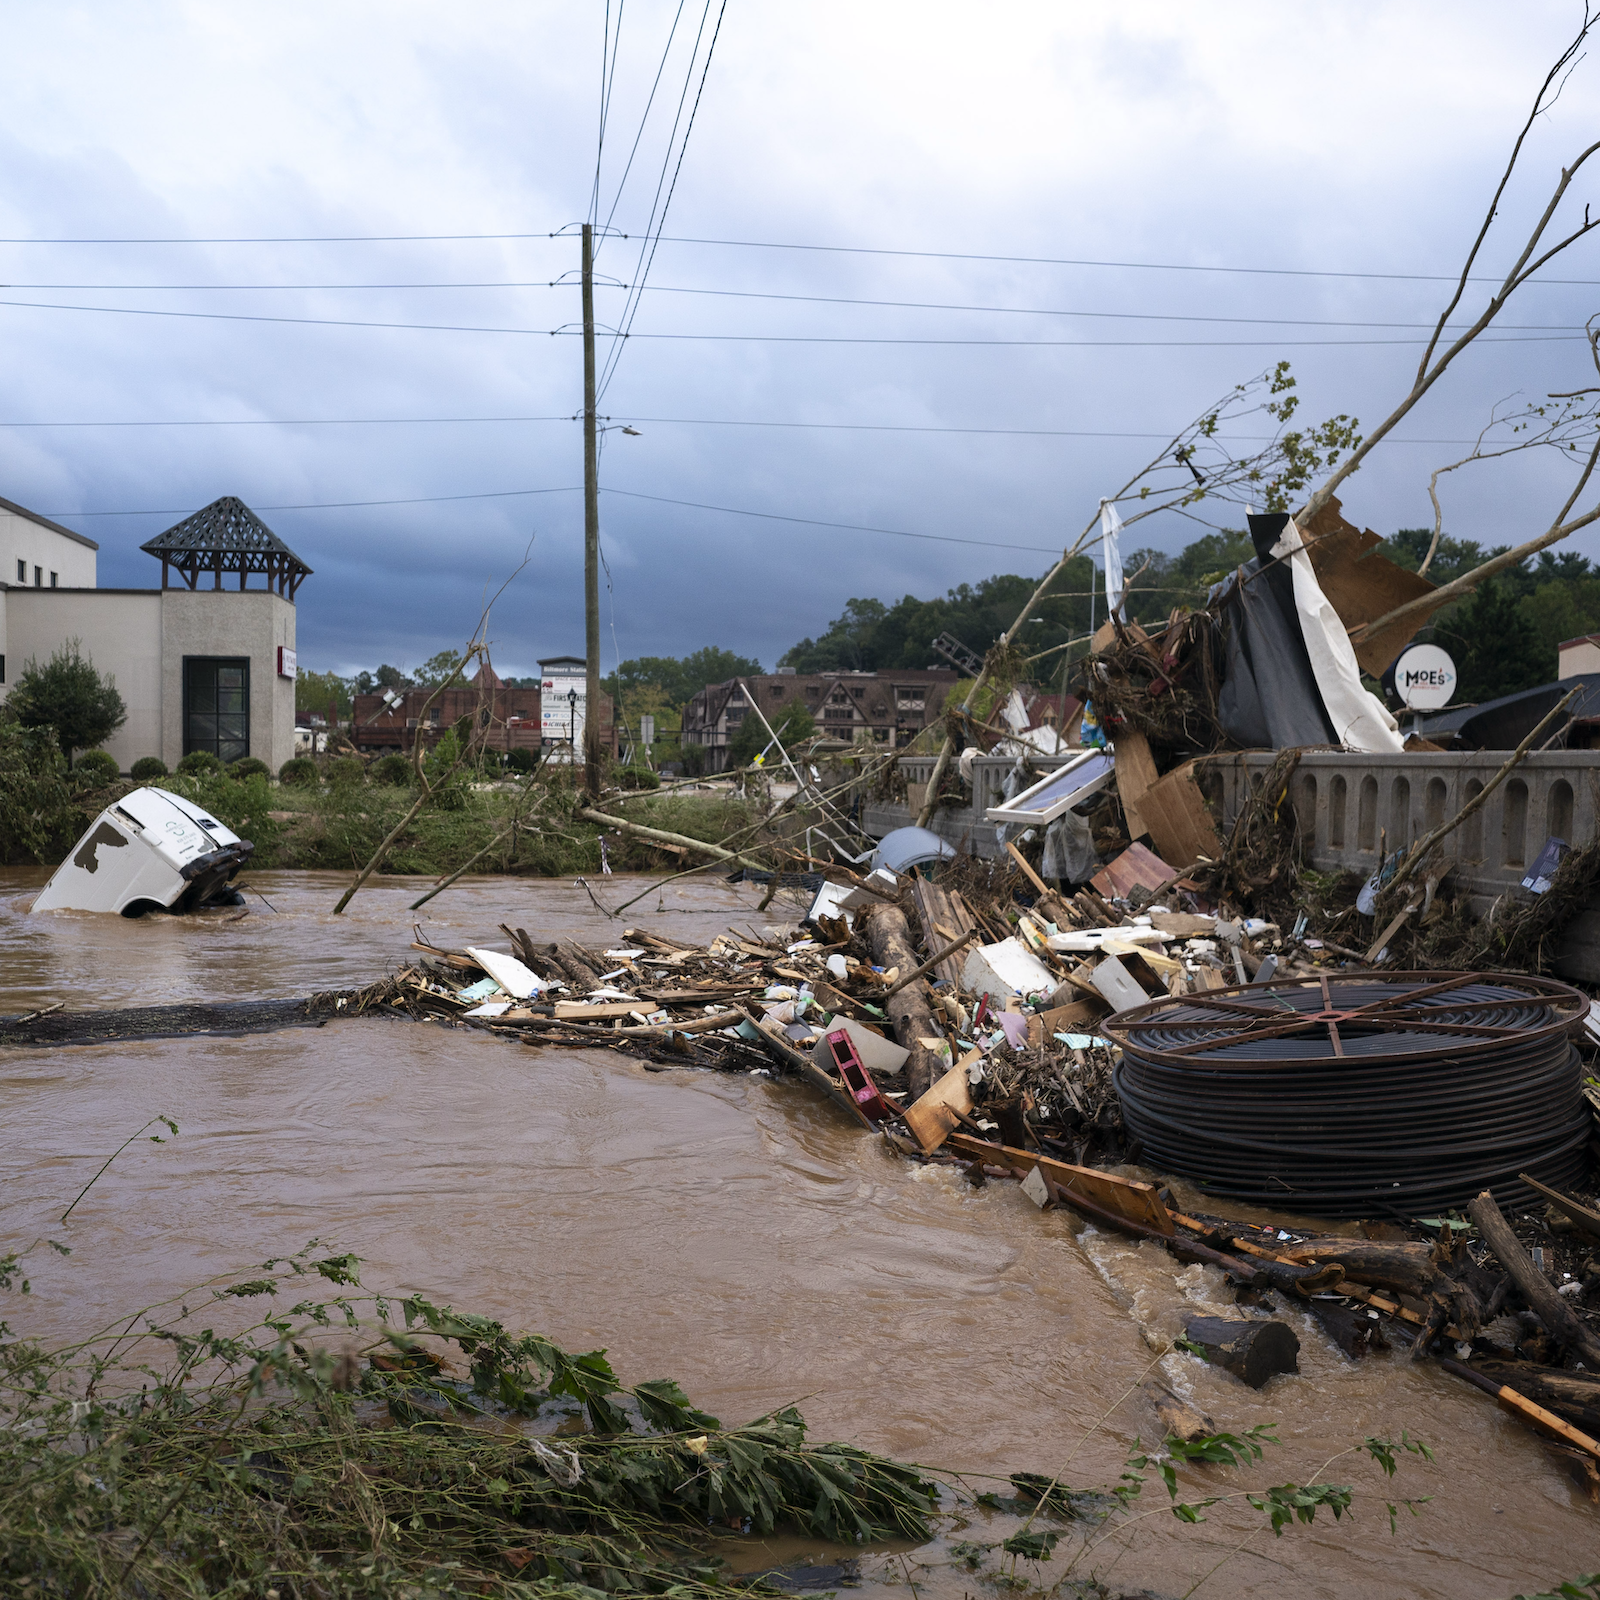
[
  {"x": 45, "y": 522},
  {"x": 1583, "y": 638},
  {"x": 555, "y": 661}
]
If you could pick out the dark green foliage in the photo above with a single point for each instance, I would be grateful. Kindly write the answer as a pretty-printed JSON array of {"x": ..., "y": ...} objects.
[
  {"x": 38, "y": 821},
  {"x": 520, "y": 760},
  {"x": 317, "y": 691},
  {"x": 198, "y": 761},
  {"x": 795, "y": 724},
  {"x": 300, "y": 771},
  {"x": 249, "y": 767},
  {"x": 680, "y": 680},
  {"x": 67, "y": 695},
  {"x": 346, "y": 771},
  {"x": 1454, "y": 558},
  {"x": 146, "y": 768},
  {"x": 447, "y": 773},
  {"x": 637, "y": 778},
  {"x": 97, "y": 767},
  {"x": 393, "y": 769},
  {"x": 1493, "y": 646}
]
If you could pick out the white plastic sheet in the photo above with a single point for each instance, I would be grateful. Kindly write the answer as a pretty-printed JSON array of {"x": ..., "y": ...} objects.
[
  {"x": 1111, "y": 552},
  {"x": 1360, "y": 720}
]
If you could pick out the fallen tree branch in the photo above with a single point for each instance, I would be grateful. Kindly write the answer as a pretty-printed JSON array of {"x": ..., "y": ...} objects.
[
  {"x": 661, "y": 836},
  {"x": 1547, "y": 1305},
  {"x": 929, "y": 965}
]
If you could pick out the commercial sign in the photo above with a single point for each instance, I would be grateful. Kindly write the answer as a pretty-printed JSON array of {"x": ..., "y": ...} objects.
[
  {"x": 286, "y": 662},
  {"x": 1425, "y": 677}
]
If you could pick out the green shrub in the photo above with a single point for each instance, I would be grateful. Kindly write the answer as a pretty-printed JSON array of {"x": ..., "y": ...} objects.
[
  {"x": 146, "y": 768},
  {"x": 520, "y": 760},
  {"x": 198, "y": 761},
  {"x": 637, "y": 778},
  {"x": 249, "y": 767},
  {"x": 450, "y": 787},
  {"x": 38, "y": 821},
  {"x": 394, "y": 770},
  {"x": 99, "y": 767},
  {"x": 299, "y": 771},
  {"x": 344, "y": 772}
]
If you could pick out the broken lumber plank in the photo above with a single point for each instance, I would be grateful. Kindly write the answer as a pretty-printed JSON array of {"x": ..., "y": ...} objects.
[
  {"x": 1136, "y": 776},
  {"x": 1123, "y": 1197},
  {"x": 1027, "y": 871},
  {"x": 944, "y": 916},
  {"x": 1583, "y": 1218},
  {"x": 1529, "y": 1410},
  {"x": 932, "y": 1116}
]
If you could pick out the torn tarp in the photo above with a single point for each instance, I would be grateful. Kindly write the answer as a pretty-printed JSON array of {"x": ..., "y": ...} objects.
[
  {"x": 1269, "y": 698},
  {"x": 1292, "y": 676}
]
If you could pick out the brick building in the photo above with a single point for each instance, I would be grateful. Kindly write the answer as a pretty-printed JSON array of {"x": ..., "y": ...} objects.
[
  {"x": 513, "y": 716},
  {"x": 885, "y": 708}
]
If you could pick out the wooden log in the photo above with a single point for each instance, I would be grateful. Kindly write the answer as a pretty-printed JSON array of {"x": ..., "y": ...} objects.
[
  {"x": 1537, "y": 1290},
  {"x": 889, "y": 939},
  {"x": 1251, "y": 1351},
  {"x": 1355, "y": 1333},
  {"x": 1406, "y": 1268}
]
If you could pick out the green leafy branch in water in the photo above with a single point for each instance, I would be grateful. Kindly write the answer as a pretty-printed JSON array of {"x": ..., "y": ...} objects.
[
  {"x": 1585, "y": 1588},
  {"x": 358, "y": 1444},
  {"x": 155, "y": 1138}
]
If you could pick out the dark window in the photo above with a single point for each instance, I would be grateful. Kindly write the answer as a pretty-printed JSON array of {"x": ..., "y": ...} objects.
[
  {"x": 38, "y": 577},
  {"x": 22, "y": 572},
  {"x": 53, "y": 580},
  {"x": 216, "y": 705},
  {"x": 2, "y": 669}
]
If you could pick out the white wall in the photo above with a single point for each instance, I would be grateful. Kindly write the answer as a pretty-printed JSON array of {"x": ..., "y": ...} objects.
[
  {"x": 46, "y": 547},
  {"x": 119, "y": 630}
]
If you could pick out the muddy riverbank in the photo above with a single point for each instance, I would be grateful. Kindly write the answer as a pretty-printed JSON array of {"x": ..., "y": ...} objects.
[{"x": 732, "y": 1232}]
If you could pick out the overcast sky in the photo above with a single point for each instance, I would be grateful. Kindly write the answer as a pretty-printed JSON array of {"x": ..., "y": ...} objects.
[{"x": 1342, "y": 140}]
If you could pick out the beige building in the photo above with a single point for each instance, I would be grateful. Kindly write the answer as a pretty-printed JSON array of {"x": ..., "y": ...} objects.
[{"x": 199, "y": 666}]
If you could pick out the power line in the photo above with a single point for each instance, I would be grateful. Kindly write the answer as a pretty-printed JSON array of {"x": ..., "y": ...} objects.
[
  {"x": 801, "y": 299},
  {"x": 622, "y": 183},
  {"x": 636, "y": 294},
  {"x": 761, "y": 338},
  {"x": 703, "y": 422},
  {"x": 839, "y": 249},
  {"x": 631, "y": 494}
]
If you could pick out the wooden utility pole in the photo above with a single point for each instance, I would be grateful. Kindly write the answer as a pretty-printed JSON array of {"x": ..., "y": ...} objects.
[{"x": 591, "y": 538}]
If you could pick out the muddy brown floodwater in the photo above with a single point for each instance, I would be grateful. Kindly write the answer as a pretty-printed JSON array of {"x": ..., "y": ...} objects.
[{"x": 731, "y": 1232}]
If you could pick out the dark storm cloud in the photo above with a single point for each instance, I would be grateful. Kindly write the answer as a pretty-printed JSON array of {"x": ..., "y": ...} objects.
[{"x": 1246, "y": 136}]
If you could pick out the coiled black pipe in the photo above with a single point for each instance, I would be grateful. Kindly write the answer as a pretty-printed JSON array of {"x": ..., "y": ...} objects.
[{"x": 1360, "y": 1094}]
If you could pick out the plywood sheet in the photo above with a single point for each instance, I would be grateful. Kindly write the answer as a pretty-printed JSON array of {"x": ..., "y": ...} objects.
[
  {"x": 932, "y": 1117},
  {"x": 1136, "y": 775},
  {"x": 1138, "y": 1202},
  {"x": 1362, "y": 585},
  {"x": 1181, "y": 828}
]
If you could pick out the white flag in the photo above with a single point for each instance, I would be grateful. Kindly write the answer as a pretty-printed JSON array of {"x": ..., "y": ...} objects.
[{"x": 1111, "y": 549}]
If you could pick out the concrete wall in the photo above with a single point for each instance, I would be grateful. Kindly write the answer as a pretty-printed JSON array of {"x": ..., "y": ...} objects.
[
  {"x": 119, "y": 630},
  {"x": 212, "y": 622},
  {"x": 1346, "y": 805}
]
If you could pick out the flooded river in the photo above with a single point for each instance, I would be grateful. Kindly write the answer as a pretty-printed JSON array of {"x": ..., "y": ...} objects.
[{"x": 731, "y": 1232}]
